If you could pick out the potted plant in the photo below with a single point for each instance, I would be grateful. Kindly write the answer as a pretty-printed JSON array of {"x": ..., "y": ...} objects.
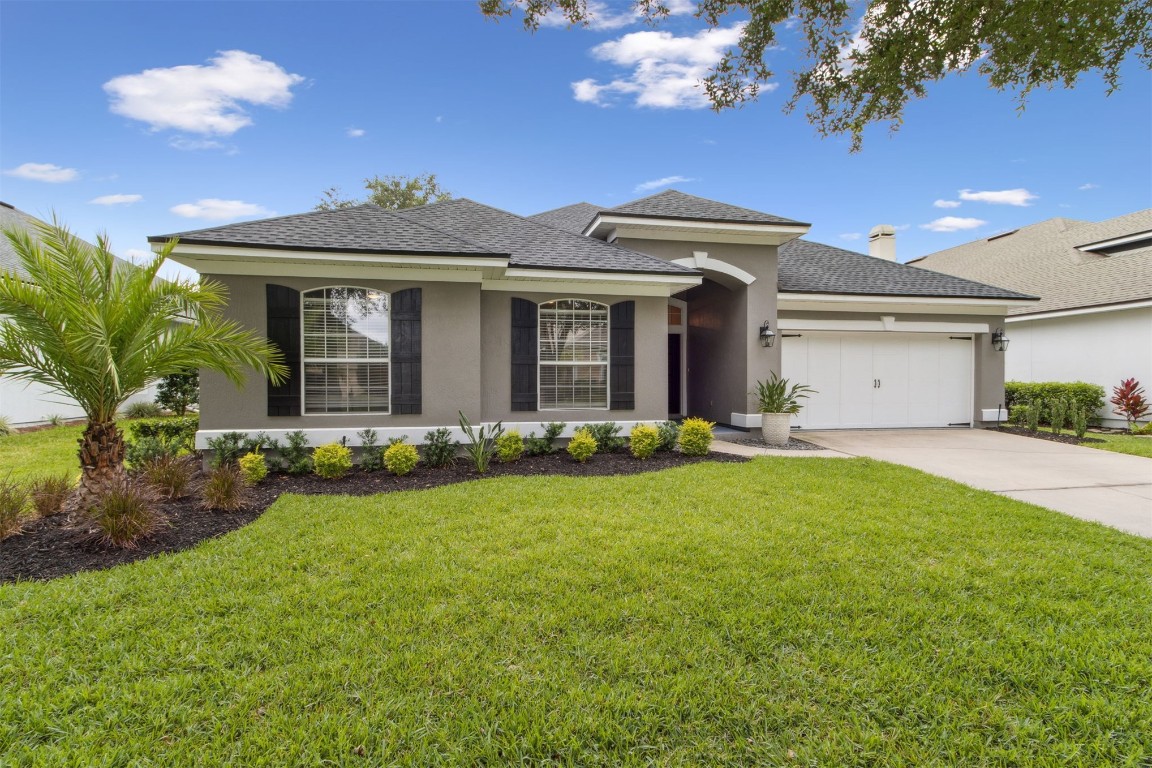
[{"x": 779, "y": 399}]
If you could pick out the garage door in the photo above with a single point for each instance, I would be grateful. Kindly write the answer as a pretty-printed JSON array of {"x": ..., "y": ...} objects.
[{"x": 881, "y": 380}]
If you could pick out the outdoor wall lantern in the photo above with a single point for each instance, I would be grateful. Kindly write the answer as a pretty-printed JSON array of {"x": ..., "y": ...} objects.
[
  {"x": 999, "y": 340},
  {"x": 767, "y": 335}
]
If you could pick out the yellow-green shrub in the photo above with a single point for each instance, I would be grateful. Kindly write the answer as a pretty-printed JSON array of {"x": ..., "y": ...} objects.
[
  {"x": 510, "y": 446},
  {"x": 582, "y": 446},
  {"x": 401, "y": 458},
  {"x": 696, "y": 437},
  {"x": 253, "y": 467},
  {"x": 644, "y": 440},
  {"x": 332, "y": 461}
]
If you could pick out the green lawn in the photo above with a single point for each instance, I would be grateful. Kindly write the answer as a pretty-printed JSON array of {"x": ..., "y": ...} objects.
[
  {"x": 47, "y": 451},
  {"x": 792, "y": 612},
  {"x": 1137, "y": 445}
]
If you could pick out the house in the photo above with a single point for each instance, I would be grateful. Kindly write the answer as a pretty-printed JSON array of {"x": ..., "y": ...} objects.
[
  {"x": 23, "y": 403},
  {"x": 1094, "y": 319},
  {"x": 667, "y": 306}
]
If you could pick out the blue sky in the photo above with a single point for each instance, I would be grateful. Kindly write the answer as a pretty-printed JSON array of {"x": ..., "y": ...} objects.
[{"x": 140, "y": 118}]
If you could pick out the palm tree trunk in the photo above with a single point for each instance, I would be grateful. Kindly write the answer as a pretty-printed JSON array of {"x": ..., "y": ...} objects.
[{"x": 102, "y": 461}]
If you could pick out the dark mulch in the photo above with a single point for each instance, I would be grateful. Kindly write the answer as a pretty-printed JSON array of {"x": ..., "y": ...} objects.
[
  {"x": 1046, "y": 435},
  {"x": 59, "y": 546},
  {"x": 793, "y": 444}
]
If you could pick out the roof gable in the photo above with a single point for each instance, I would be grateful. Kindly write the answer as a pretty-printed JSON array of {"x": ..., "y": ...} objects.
[
  {"x": 674, "y": 204},
  {"x": 573, "y": 218}
]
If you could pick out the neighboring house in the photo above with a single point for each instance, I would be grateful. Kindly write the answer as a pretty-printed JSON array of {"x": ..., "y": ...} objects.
[
  {"x": 1094, "y": 280},
  {"x": 398, "y": 320},
  {"x": 22, "y": 403}
]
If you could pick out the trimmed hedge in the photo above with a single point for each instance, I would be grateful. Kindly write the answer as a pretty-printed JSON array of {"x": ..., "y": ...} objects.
[
  {"x": 180, "y": 429},
  {"x": 1079, "y": 393}
]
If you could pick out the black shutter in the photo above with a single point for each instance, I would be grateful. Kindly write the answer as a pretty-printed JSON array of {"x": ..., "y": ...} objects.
[
  {"x": 406, "y": 376},
  {"x": 283, "y": 307},
  {"x": 622, "y": 363},
  {"x": 524, "y": 355}
]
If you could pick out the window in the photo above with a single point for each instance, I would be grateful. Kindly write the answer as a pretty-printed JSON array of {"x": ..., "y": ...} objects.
[
  {"x": 573, "y": 354},
  {"x": 347, "y": 351}
]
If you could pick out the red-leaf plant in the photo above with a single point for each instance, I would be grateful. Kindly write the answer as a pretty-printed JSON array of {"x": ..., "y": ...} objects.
[{"x": 1130, "y": 402}]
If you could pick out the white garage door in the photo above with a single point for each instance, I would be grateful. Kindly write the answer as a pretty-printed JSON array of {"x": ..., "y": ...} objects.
[{"x": 881, "y": 379}]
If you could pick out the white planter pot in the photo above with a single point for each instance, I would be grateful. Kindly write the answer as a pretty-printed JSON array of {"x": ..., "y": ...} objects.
[{"x": 776, "y": 427}]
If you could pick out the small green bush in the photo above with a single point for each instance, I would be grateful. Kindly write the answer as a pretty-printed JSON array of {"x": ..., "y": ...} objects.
[
  {"x": 142, "y": 410},
  {"x": 1032, "y": 416},
  {"x": 224, "y": 490},
  {"x": 371, "y": 457},
  {"x": 178, "y": 391},
  {"x": 295, "y": 458},
  {"x": 669, "y": 434},
  {"x": 1144, "y": 430},
  {"x": 1018, "y": 415},
  {"x": 144, "y": 450},
  {"x": 13, "y": 500},
  {"x": 1079, "y": 393},
  {"x": 607, "y": 436},
  {"x": 1080, "y": 422},
  {"x": 1057, "y": 414},
  {"x": 55, "y": 420},
  {"x": 696, "y": 437},
  {"x": 49, "y": 492},
  {"x": 439, "y": 448},
  {"x": 177, "y": 428},
  {"x": 542, "y": 446},
  {"x": 230, "y": 446},
  {"x": 401, "y": 458},
  {"x": 582, "y": 446},
  {"x": 6, "y": 427},
  {"x": 171, "y": 475},
  {"x": 510, "y": 446},
  {"x": 126, "y": 512},
  {"x": 331, "y": 461},
  {"x": 253, "y": 467},
  {"x": 481, "y": 445},
  {"x": 644, "y": 441}
]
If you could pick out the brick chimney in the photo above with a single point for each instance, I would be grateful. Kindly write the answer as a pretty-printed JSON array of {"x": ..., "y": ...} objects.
[{"x": 882, "y": 242}]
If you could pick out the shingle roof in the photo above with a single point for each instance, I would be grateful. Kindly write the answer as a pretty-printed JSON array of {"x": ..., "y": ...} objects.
[
  {"x": 570, "y": 218},
  {"x": 533, "y": 244},
  {"x": 809, "y": 267},
  {"x": 13, "y": 218},
  {"x": 1043, "y": 259},
  {"x": 673, "y": 204}
]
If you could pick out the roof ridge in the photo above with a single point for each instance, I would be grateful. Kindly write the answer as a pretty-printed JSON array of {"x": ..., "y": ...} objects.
[
  {"x": 345, "y": 209},
  {"x": 400, "y": 212}
]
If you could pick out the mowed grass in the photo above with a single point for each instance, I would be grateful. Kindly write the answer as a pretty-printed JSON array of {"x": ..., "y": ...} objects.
[
  {"x": 784, "y": 612},
  {"x": 43, "y": 452},
  {"x": 1137, "y": 445}
]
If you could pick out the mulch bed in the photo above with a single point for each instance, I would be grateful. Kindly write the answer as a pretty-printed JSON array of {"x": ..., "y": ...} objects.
[
  {"x": 1047, "y": 435},
  {"x": 60, "y": 546},
  {"x": 793, "y": 444}
]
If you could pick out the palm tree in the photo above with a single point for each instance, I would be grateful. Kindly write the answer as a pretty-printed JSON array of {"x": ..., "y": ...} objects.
[{"x": 99, "y": 331}]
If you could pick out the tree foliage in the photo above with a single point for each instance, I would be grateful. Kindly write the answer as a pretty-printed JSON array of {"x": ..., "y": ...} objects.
[
  {"x": 178, "y": 391},
  {"x": 864, "y": 68},
  {"x": 391, "y": 192}
]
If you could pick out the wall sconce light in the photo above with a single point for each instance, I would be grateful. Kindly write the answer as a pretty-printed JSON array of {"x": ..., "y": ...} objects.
[
  {"x": 767, "y": 335},
  {"x": 999, "y": 340}
]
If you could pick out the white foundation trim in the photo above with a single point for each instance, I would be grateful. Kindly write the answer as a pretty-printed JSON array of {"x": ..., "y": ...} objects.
[
  {"x": 994, "y": 414},
  {"x": 747, "y": 420}
]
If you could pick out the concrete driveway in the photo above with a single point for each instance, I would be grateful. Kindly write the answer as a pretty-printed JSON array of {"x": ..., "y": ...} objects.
[{"x": 1111, "y": 488}]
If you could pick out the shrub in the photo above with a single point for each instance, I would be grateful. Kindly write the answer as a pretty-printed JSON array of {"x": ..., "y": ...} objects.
[
  {"x": 253, "y": 467},
  {"x": 1144, "y": 430},
  {"x": 481, "y": 444},
  {"x": 510, "y": 446},
  {"x": 370, "y": 458},
  {"x": 230, "y": 446},
  {"x": 13, "y": 500},
  {"x": 542, "y": 446},
  {"x": 224, "y": 489},
  {"x": 178, "y": 391},
  {"x": 181, "y": 429},
  {"x": 48, "y": 493},
  {"x": 1080, "y": 421},
  {"x": 295, "y": 457},
  {"x": 644, "y": 440},
  {"x": 125, "y": 512},
  {"x": 55, "y": 420},
  {"x": 607, "y": 436},
  {"x": 332, "y": 461},
  {"x": 669, "y": 434},
  {"x": 778, "y": 395},
  {"x": 142, "y": 410},
  {"x": 1057, "y": 414},
  {"x": 1130, "y": 402},
  {"x": 1032, "y": 416},
  {"x": 1079, "y": 393},
  {"x": 1018, "y": 415},
  {"x": 582, "y": 446},
  {"x": 439, "y": 448},
  {"x": 401, "y": 458},
  {"x": 6, "y": 427},
  {"x": 696, "y": 437},
  {"x": 171, "y": 475},
  {"x": 145, "y": 450}
]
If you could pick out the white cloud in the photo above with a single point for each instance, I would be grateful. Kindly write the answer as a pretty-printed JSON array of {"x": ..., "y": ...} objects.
[
  {"x": 355, "y": 133},
  {"x": 53, "y": 174},
  {"x": 1019, "y": 197},
  {"x": 220, "y": 210},
  {"x": 190, "y": 145},
  {"x": 439, "y": 118},
  {"x": 202, "y": 98},
  {"x": 667, "y": 181},
  {"x": 851, "y": 236},
  {"x": 952, "y": 224},
  {"x": 947, "y": 203},
  {"x": 601, "y": 16},
  {"x": 1088, "y": 186},
  {"x": 115, "y": 199},
  {"x": 667, "y": 71}
]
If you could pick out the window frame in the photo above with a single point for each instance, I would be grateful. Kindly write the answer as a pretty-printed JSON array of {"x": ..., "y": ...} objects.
[
  {"x": 607, "y": 363},
  {"x": 305, "y": 360}
]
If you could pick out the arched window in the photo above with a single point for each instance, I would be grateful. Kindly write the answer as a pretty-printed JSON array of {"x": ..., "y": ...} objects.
[
  {"x": 347, "y": 350},
  {"x": 573, "y": 354}
]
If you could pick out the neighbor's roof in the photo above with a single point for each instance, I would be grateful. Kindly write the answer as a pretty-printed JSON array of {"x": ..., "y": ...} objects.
[
  {"x": 453, "y": 227},
  {"x": 809, "y": 267},
  {"x": 1044, "y": 259},
  {"x": 673, "y": 204},
  {"x": 14, "y": 218}
]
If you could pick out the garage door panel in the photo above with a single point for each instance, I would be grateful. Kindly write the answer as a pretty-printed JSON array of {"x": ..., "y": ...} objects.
[{"x": 890, "y": 371}]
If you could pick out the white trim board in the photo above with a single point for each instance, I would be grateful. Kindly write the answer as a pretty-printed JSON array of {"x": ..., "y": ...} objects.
[
  {"x": 883, "y": 324},
  {"x": 701, "y": 260},
  {"x": 1078, "y": 311},
  {"x": 829, "y": 302}
]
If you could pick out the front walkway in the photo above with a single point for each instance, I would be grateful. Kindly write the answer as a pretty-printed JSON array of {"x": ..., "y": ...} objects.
[{"x": 1111, "y": 488}]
